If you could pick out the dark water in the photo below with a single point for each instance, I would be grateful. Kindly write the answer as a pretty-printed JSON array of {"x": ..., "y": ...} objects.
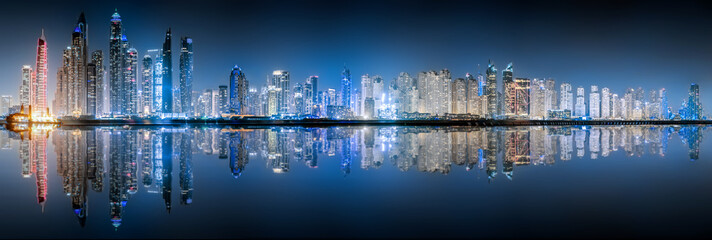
[{"x": 633, "y": 181}]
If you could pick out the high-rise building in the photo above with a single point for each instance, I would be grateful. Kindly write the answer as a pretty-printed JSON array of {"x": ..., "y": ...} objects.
[
  {"x": 378, "y": 91},
  {"x": 147, "y": 85},
  {"x": 116, "y": 65},
  {"x": 434, "y": 92},
  {"x": 346, "y": 87},
  {"x": 605, "y": 103},
  {"x": 280, "y": 81},
  {"x": 567, "y": 97},
  {"x": 167, "y": 75},
  {"x": 76, "y": 71},
  {"x": 186, "y": 74},
  {"x": 594, "y": 103},
  {"x": 516, "y": 94},
  {"x": 298, "y": 92},
  {"x": 238, "y": 91},
  {"x": 310, "y": 95},
  {"x": 97, "y": 58},
  {"x": 580, "y": 107},
  {"x": 459, "y": 96},
  {"x": 693, "y": 103},
  {"x": 157, "y": 102},
  {"x": 38, "y": 88},
  {"x": 407, "y": 97},
  {"x": 130, "y": 91},
  {"x": 537, "y": 99},
  {"x": 550, "y": 100},
  {"x": 665, "y": 114},
  {"x": 491, "y": 90},
  {"x": 223, "y": 99},
  {"x": 473, "y": 95},
  {"x": 25, "y": 86},
  {"x": 5, "y": 105},
  {"x": 368, "y": 109}
]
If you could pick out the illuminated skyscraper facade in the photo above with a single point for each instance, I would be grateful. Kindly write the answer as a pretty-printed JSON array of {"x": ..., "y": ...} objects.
[
  {"x": 146, "y": 85},
  {"x": 346, "y": 87},
  {"x": 594, "y": 103},
  {"x": 580, "y": 107},
  {"x": 186, "y": 74},
  {"x": 491, "y": 91},
  {"x": 25, "y": 85},
  {"x": 238, "y": 91},
  {"x": 116, "y": 65},
  {"x": 38, "y": 88},
  {"x": 130, "y": 91},
  {"x": 167, "y": 75}
]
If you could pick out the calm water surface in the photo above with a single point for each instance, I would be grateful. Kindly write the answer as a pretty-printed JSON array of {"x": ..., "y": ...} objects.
[{"x": 184, "y": 182}]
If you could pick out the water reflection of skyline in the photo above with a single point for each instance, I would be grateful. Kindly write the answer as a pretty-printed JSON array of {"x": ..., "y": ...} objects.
[{"x": 133, "y": 160}]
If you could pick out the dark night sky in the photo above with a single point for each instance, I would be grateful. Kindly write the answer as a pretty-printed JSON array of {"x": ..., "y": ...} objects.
[{"x": 615, "y": 44}]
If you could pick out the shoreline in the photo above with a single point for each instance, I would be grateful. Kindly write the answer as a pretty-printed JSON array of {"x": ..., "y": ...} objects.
[{"x": 329, "y": 122}]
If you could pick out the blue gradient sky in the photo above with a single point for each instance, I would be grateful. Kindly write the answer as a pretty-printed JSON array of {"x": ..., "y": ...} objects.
[{"x": 609, "y": 43}]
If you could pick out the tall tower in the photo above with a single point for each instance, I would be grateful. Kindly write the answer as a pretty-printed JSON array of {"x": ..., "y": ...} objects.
[
  {"x": 97, "y": 59},
  {"x": 580, "y": 107},
  {"x": 131, "y": 82},
  {"x": 238, "y": 91},
  {"x": 605, "y": 103},
  {"x": 280, "y": 80},
  {"x": 693, "y": 102},
  {"x": 186, "y": 75},
  {"x": 594, "y": 103},
  {"x": 491, "y": 90},
  {"x": 27, "y": 75},
  {"x": 79, "y": 65},
  {"x": 567, "y": 97},
  {"x": 116, "y": 65},
  {"x": 157, "y": 101},
  {"x": 147, "y": 85},
  {"x": 167, "y": 75},
  {"x": 346, "y": 87},
  {"x": 510, "y": 91},
  {"x": 38, "y": 89}
]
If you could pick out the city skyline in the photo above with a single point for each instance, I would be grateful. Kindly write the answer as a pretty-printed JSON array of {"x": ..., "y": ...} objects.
[{"x": 330, "y": 73}]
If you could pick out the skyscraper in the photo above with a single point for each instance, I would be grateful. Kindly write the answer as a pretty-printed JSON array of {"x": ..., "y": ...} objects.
[
  {"x": 378, "y": 94},
  {"x": 665, "y": 114},
  {"x": 116, "y": 65},
  {"x": 605, "y": 103},
  {"x": 346, "y": 87},
  {"x": 594, "y": 103},
  {"x": 157, "y": 101},
  {"x": 280, "y": 80},
  {"x": 38, "y": 89},
  {"x": 27, "y": 80},
  {"x": 310, "y": 97},
  {"x": 473, "y": 96},
  {"x": 186, "y": 74},
  {"x": 76, "y": 71},
  {"x": 238, "y": 91},
  {"x": 516, "y": 94},
  {"x": 580, "y": 107},
  {"x": 130, "y": 91},
  {"x": 97, "y": 58},
  {"x": 567, "y": 97},
  {"x": 693, "y": 103},
  {"x": 491, "y": 92},
  {"x": 147, "y": 85},
  {"x": 223, "y": 99},
  {"x": 459, "y": 96},
  {"x": 538, "y": 99},
  {"x": 167, "y": 75}
]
